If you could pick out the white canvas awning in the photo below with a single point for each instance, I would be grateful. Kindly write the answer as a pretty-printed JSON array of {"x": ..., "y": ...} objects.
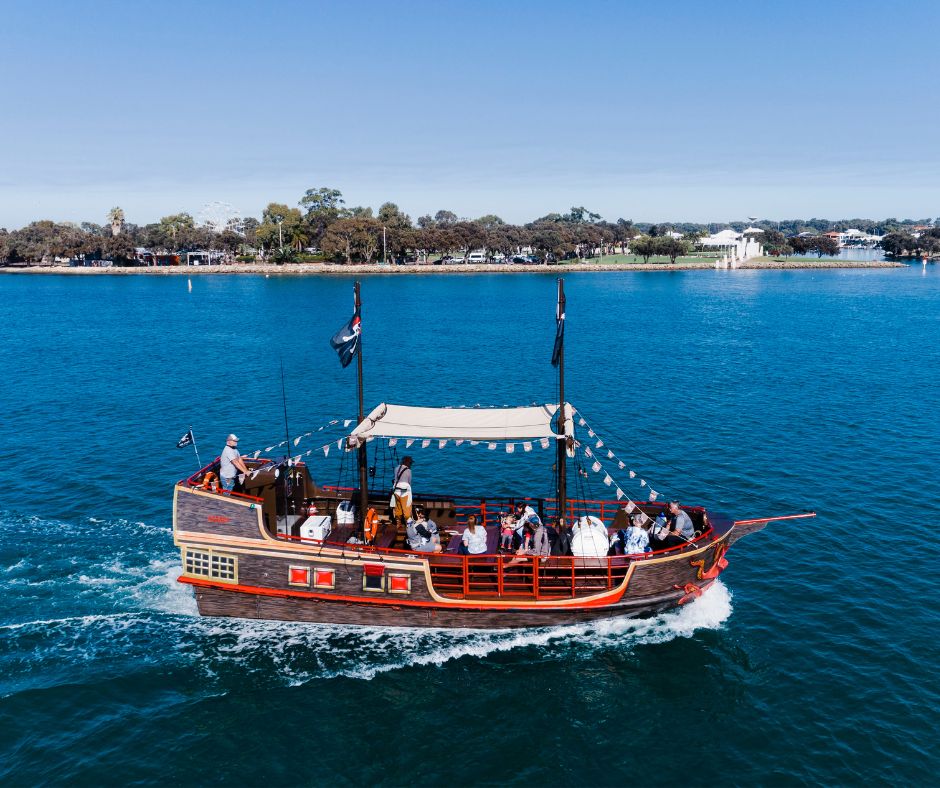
[{"x": 482, "y": 424}]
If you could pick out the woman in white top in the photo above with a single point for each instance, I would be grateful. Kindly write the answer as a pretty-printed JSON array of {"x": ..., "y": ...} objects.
[{"x": 473, "y": 541}]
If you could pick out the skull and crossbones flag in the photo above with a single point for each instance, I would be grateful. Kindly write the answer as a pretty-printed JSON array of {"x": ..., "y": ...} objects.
[
  {"x": 186, "y": 440},
  {"x": 346, "y": 341}
]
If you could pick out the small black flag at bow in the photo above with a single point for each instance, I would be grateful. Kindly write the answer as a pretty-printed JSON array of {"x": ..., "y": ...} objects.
[
  {"x": 346, "y": 341},
  {"x": 186, "y": 440},
  {"x": 559, "y": 339}
]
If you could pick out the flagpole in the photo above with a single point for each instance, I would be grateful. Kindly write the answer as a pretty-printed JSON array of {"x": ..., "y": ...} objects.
[
  {"x": 562, "y": 447},
  {"x": 195, "y": 448},
  {"x": 363, "y": 448}
]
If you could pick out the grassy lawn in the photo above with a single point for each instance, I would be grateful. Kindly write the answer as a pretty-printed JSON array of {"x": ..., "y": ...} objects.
[
  {"x": 632, "y": 259},
  {"x": 794, "y": 259}
]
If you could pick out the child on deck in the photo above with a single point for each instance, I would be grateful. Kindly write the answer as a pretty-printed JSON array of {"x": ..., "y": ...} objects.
[{"x": 507, "y": 526}]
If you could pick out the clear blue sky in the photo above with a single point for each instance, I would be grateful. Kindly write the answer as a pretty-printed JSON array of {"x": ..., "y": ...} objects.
[{"x": 703, "y": 111}]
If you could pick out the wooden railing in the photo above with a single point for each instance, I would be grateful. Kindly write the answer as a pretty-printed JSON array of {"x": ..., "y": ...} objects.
[{"x": 524, "y": 577}]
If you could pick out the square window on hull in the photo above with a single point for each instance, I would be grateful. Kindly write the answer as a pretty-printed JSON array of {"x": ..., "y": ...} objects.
[{"x": 210, "y": 565}]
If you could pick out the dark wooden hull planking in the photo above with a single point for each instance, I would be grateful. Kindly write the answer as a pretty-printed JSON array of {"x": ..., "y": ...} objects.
[{"x": 240, "y": 567}]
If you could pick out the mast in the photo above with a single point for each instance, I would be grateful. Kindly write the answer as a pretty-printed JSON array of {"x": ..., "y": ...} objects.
[
  {"x": 363, "y": 449},
  {"x": 562, "y": 447}
]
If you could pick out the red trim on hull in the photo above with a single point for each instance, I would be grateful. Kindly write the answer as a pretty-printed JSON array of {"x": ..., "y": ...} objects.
[{"x": 257, "y": 590}]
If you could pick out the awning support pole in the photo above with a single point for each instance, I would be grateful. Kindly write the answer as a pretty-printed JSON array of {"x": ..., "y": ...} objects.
[{"x": 562, "y": 460}]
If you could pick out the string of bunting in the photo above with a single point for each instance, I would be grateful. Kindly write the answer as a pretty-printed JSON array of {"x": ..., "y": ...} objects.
[
  {"x": 601, "y": 450},
  {"x": 296, "y": 441}
]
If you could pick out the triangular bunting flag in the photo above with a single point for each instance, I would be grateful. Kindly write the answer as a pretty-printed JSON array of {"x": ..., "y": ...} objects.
[
  {"x": 425, "y": 443},
  {"x": 491, "y": 446},
  {"x": 620, "y": 493},
  {"x": 610, "y": 454},
  {"x": 347, "y": 422},
  {"x": 642, "y": 482},
  {"x": 326, "y": 451},
  {"x": 621, "y": 465},
  {"x": 632, "y": 474},
  {"x": 527, "y": 446},
  {"x": 393, "y": 441},
  {"x": 599, "y": 444},
  {"x": 409, "y": 442},
  {"x": 582, "y": 423},
  {"x": 607, "y": 480},
  {"x": 653, "y": 494},
  {"x": 510, "y": 448},
  {"x": 591, "y": 434},
  {"x": 630, "y": 506},
  {"x": 457, "y": 443},
  {"x": 441, "y": 444},
  {"x": 474, "y": 443},
  {"x": 596, "y": 467},
  {"x": 297, "y": 440},
  {"x": 544, "y": 443},
  {"x": 339, "y": 444},
  {"x": 588, "y": 452}
]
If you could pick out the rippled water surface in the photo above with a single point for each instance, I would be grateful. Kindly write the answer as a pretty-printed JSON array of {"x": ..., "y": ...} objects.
[{"x": 756, "y": 393}]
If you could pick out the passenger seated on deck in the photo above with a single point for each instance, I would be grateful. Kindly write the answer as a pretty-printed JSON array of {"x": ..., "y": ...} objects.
[
  {"x": 535, "y": 542},
  {"x": 672, "y": 528},
  {"x": 422, "y": 532},
  {"x": 635, "y": 538},
  {"x": 473, "y": 540}
]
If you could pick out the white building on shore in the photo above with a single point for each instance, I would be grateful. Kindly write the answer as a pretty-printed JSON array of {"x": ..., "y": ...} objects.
[{"x": 736, "y": 246}]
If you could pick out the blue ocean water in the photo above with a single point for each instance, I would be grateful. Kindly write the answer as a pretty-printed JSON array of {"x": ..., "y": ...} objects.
[{"x": 754, "y": 392}]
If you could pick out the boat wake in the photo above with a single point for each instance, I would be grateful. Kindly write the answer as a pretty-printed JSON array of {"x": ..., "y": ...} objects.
[
  {"x": 95, "y": 617},
  {"x": 298, "y": 653}
]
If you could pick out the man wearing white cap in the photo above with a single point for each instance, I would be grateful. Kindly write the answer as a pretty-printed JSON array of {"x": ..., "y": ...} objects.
[{"x": 232, "y": 462}]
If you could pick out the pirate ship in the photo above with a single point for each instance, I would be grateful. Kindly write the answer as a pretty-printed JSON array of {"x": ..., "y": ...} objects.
[{"x": 283, "y": 546}]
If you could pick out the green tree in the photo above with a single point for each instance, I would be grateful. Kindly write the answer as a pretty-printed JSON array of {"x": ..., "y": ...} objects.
[
  {"x": 898, "y": 244},
  {"x": 323, "y": 207},
  {"x": 356, "y": 236},
  {"x": 672, "y": 248},
  {"x": 644, "y": 246},
  {"x": 280, "y": 225},
  {"x": 823, "y": 244},
  {"x": 445, "y": 218},
  {"x": 775, "y": 243}
]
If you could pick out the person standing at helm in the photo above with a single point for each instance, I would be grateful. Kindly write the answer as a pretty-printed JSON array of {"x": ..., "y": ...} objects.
[
  {"x": 400, "y": 502},
  {"x": 231, "y": 462}
]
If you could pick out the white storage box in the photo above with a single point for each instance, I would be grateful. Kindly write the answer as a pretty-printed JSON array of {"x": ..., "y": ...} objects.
[
  {"x": 346, "y": 513},
  {"x": 317, "y": 526}
]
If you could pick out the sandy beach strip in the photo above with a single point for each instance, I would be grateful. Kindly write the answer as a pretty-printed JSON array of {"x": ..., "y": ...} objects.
[{"x": 318, "y": 269}]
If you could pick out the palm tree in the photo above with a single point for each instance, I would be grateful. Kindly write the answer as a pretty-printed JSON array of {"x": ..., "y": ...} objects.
[{"x": 116, "y": 217}]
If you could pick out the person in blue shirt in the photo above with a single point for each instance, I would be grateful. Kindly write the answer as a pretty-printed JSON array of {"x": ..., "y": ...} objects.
[{"x": 635, "y": 538}]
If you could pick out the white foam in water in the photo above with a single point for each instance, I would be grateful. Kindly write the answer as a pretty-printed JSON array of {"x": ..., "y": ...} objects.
[{"x": 297, "y": 653}]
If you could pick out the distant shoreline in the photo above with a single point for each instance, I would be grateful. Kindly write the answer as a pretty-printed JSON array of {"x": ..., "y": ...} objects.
[{"x": 318, "y": 269}]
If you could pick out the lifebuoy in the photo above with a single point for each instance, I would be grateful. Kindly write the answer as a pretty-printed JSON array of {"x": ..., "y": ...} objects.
[
  {"x": 371, "y": 527},
  {"x": 208, "y": 480}
]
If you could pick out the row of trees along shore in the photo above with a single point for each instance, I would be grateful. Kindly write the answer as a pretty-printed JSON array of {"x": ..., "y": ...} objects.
[{"x": 342, "y": 234}]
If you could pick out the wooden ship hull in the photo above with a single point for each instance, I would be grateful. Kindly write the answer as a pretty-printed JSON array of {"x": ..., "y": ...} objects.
[{"x": 243, "y": 559}]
